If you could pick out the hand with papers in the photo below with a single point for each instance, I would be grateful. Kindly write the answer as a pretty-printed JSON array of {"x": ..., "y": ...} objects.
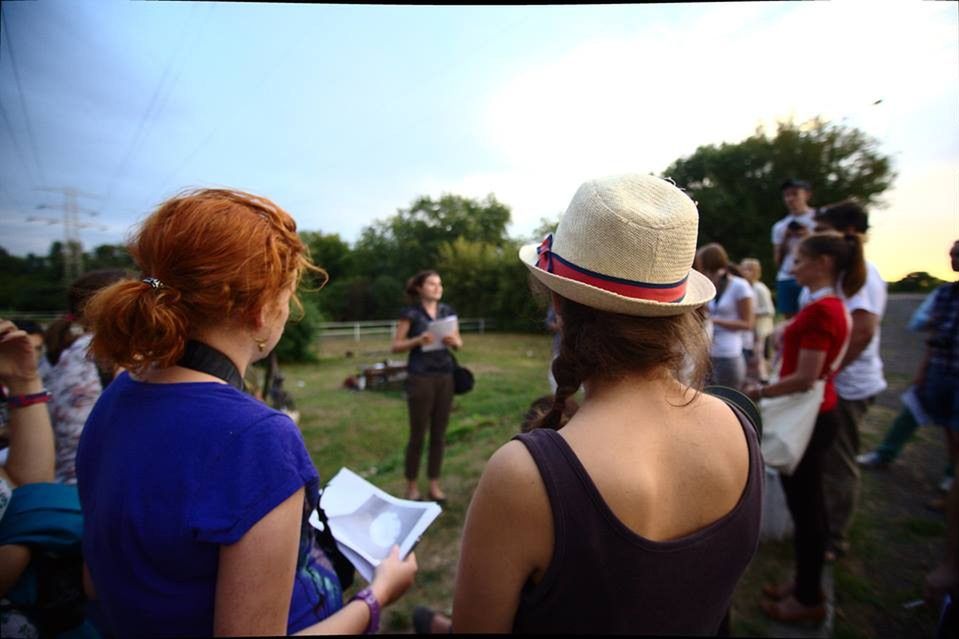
[{"x": 367, "y": 523}]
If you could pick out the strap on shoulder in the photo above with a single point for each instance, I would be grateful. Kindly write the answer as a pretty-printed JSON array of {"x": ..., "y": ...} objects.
[{"x": 745, "y": 405}]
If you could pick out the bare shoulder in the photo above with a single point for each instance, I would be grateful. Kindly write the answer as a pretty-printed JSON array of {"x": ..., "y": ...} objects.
[{"x": 512, "y": 469}]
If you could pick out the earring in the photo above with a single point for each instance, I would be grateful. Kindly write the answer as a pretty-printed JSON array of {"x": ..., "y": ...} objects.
[{"x": 260, "y": 343}]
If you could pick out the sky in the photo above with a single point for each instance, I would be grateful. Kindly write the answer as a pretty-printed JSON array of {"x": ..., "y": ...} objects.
[{"x": 343, "y": 114}]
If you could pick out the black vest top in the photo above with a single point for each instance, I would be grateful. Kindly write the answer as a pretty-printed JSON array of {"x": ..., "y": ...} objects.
[{"x": 605, "y": 579}]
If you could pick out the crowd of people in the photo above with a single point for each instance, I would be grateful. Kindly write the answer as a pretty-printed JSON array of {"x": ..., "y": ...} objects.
[{"x": 183, "y": 502}]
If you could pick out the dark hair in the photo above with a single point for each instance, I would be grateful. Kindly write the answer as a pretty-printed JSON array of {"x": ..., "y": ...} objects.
[
  {"x": 414, "y": 283},
  {"x": 28, "y": 326},
  {"x": 542, "y": 405},
  {"x": 711, "y": 257},
  {"x": 845, "y": 214},
  {"x": 598, "y": 344},
  {"x": 793, "y": 183},
  {"x": 218, "y": 253},
  {"x": 846, "y": 251},
  {"x": 64, "y": 331}
]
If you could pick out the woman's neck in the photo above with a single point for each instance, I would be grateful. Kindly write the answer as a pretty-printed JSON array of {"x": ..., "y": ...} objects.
[
  {"x": 430, "y": 305},
  {"x": 819, "y": 285}
]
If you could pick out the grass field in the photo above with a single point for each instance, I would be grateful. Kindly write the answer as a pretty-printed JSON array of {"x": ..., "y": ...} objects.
[
  {"x": 895, "y": 539},
  {"x": 367, "y": 431}
]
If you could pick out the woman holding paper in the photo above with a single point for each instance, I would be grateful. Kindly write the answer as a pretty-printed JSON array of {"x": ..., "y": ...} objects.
[
  {"x": 196, "y": 497},
  {"x": 429, "y": 386}
]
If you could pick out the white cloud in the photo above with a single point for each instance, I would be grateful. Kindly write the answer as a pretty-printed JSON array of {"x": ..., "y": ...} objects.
[{"x": 615, "y": 105}]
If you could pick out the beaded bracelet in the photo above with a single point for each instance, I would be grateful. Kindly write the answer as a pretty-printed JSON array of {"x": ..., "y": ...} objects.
[
  {"x": 366, "y": 596},
  {"x": 22, "y": 401}
]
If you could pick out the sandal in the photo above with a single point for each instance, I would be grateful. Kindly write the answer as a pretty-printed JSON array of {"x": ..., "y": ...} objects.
[
  {"x": 780, "y": 590},
  {"x": 791, "y": 611},
  {"x": 422, "y": 620}
]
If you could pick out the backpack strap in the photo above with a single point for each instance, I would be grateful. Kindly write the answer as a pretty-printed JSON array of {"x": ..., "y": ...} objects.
[{"x": 741, "y": 401}]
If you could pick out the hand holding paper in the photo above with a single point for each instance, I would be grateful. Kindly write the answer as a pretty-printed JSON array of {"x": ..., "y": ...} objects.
[
  {"x": 366, "y": 522},
  {"x": 440, "y": 329}
]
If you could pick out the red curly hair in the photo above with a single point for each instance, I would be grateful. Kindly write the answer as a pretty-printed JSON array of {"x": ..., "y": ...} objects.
[{"x": 220, "y": 254}]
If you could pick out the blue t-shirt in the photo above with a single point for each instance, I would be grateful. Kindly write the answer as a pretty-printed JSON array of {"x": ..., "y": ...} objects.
[{"x": 169, "y": 472}]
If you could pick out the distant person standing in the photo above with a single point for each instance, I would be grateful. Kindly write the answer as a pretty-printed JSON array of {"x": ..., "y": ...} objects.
[
  {"x": 429, "y": 384},
  {"x": 765, "y": 313},
  {"x": 786, "y": 234},
  {"x": 731, "y": 314},
  {"x": 859, "y": 381}
]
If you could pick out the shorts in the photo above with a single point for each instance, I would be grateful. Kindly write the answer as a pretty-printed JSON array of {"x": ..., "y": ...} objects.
[
  {"x": 939, "y": 395},
  {"x": 787, "y": 296}
]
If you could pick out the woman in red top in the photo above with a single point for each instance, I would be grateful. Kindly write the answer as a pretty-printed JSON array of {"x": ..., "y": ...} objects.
[{"x": 813, "y": 340}]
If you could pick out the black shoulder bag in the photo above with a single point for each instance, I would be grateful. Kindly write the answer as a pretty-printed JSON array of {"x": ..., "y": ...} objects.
[
  {"x": 206, "y": 359},
  {"x": 462, "y": 377}
]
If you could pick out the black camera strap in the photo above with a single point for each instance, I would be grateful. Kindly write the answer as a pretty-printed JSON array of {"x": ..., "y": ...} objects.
[{"x": 200, "y": 357}]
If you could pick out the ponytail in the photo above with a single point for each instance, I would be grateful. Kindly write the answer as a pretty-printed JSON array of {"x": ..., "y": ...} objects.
[
  {"x": 847, "y": 253},
  {"x": 853, "y": 267},
  {"x": 135, "y": 324}
]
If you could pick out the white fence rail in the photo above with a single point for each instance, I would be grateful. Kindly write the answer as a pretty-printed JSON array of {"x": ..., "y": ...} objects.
[{"x": 357, "y": 330}]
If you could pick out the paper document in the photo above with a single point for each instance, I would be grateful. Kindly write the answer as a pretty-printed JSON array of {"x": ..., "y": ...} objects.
[
  {"x": 439, "y": 329},
  {"x": 367, "y": 522}
]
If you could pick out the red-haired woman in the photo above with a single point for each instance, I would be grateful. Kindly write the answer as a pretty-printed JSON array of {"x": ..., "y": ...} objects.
[
  {"x": 813, "y": 340},
  {"x": 195, "y": 495}
]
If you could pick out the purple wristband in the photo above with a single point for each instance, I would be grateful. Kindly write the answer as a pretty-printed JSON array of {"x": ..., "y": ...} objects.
[{"x": 366, "y": 596}]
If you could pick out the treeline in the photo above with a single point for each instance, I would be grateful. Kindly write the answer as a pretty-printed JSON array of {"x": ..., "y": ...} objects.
[{"x": 736, "y": 187}]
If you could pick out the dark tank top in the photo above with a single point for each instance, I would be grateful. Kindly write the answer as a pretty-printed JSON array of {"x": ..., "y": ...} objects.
[{"x": 603, "y": 578}]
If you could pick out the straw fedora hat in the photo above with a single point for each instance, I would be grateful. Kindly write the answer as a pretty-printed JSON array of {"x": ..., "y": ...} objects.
[{"x": 626, "y": 244}]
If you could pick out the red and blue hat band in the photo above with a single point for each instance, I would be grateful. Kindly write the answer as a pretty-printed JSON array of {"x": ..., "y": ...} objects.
[{"x": 550, "y": 262}]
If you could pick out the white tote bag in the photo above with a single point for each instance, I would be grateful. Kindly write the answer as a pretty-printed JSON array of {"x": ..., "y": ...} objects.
[{"x": 788, "y": 422}]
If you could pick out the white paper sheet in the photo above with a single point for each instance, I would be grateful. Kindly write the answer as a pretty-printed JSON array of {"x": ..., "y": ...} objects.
[
  {"x": 366, "y": 522},
  {"x": 439, "y": 329}
]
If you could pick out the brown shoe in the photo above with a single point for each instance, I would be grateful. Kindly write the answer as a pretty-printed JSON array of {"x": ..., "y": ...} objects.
[
  {"x": 789, "y": 610},
  {"x": 779, "y": 591}
]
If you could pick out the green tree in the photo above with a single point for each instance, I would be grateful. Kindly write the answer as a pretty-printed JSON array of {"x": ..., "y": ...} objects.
[
  {"x": 410, "y": 240},
  {"x": 737, "y": 186},
  {"x": 486, "y": 280},
  {"x": 329, "y": 251},
  {"x": 918, "y": 282}
]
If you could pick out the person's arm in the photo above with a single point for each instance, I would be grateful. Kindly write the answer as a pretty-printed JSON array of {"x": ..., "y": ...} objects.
[
  {"x": 864, "y": 325},
  {"x": 31, "y": 458},
  {"x": 778, "y": 255},
  {"x": 746, "y": 319},
  {"x": 255, "y": 580},
  {"x": 808, "y": 368},
  {"x": 454, "y": 340},
  {"x": 402, "y": 343},
  {"x": 507, "y": 539}
]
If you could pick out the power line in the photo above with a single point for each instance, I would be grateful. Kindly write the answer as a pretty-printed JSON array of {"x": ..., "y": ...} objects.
[
  {"x": 23, "y": 103},
  {"x": 141, "y": 127},
  {"x": 16, "y": 144}
]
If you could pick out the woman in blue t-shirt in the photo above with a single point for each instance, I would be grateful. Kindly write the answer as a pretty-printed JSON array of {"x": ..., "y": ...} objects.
[
  {"x": 429, "y": 386},
  {"x": 196, "y": 497}
]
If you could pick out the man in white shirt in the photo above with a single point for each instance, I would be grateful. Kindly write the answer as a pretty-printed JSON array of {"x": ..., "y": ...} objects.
[
  {"x": 786, "y": 235},
  {"x": 859, "y": 380}
]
